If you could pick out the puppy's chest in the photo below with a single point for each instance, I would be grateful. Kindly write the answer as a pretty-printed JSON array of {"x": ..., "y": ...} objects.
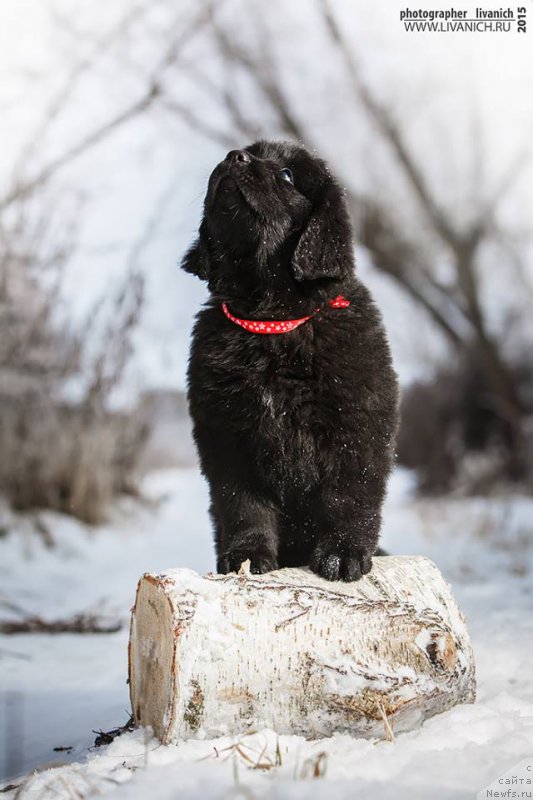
[
  {"x": 284, "y": 382},
  {"x": 287, "y": 400},
  {"x": 272, "y": 385},
  {"x": 288, "y": 416},
  {"x": 275, "y": 394}
]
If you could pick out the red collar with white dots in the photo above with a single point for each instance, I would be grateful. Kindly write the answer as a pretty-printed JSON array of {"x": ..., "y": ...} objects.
[{"x": 280, "y": 326}]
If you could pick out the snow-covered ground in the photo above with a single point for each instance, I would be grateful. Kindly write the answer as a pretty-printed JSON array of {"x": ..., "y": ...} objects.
[{"x": 56, "y": 689}]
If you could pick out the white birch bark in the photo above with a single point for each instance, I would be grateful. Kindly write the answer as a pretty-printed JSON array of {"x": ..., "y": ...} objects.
[{"x": 223, "y": 654}]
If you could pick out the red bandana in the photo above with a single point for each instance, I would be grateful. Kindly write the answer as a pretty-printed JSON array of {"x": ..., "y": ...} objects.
[{"x": 279, "y": 326}]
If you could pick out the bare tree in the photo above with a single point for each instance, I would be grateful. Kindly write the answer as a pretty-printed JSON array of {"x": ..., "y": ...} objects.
[
  {"x": 71, "y": 455},
  {"x": 456, "y": 307},
  {"x": 74, "y": 456},
  {"x": 206, "y": 50}
]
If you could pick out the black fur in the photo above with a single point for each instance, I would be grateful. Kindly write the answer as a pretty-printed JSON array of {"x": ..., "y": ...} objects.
[{"x": 295, "y": 431}]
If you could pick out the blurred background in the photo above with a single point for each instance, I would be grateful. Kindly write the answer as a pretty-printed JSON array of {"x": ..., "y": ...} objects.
[{"x": 113, "y": 116}]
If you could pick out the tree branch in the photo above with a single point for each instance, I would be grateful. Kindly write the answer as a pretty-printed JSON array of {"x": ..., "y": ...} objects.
[
  {"x": 392, "y": 254},
  {"x": 152, "y": 93},
  {"x": 199, "y": 124},
  {"x": 263, "y": 75},
  {"x": 391, "y": 133},
  {"x": 64, "y": 94}
]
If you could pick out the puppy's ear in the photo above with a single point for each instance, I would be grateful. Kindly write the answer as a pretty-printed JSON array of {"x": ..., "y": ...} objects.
[
  {"x": 325, "y": 246},
  {"x": 196, "y": 259}
]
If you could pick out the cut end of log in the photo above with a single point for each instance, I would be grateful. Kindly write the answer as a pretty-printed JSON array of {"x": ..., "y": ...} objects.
[
  {"x": 220, "y": 654},
  {"x": 152, "y": 656}
]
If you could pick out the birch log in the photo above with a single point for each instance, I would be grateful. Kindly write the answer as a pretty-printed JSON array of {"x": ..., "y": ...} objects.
[{"x": 223, "y": 654}]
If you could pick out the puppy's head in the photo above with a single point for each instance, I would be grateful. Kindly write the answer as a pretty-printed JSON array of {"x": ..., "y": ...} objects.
[{"x": 274, "y": 208}]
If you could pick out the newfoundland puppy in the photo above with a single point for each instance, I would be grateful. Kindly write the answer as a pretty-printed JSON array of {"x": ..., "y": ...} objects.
[{"x": 292, "y": 392}]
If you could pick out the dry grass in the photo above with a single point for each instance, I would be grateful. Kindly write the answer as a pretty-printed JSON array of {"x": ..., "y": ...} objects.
[
  {"x": 52, "y": 456},
  {"x": 459, "y": 438},
  {"x": 70, "y": 456}
]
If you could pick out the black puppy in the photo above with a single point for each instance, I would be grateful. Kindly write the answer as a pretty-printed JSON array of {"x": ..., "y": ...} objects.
[{"x": 292, "y": 392}]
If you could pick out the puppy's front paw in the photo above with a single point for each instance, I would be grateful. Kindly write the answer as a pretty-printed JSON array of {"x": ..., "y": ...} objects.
[
  {"x": 260, "y": 561},
  {"x": 335, "y": 561}
]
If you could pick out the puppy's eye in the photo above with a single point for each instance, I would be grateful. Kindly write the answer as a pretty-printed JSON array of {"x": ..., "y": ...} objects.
[{"x": 287, "y": 175}]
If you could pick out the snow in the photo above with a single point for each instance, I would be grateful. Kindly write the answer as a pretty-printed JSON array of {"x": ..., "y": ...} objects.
[{"x": 56, "y": 689}]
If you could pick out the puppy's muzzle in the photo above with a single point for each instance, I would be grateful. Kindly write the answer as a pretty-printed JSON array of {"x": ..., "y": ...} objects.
[{"x": 238, "y": 157}]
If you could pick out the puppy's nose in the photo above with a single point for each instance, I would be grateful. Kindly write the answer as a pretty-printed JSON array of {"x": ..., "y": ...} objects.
[{"x": 238, "y": 156}]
